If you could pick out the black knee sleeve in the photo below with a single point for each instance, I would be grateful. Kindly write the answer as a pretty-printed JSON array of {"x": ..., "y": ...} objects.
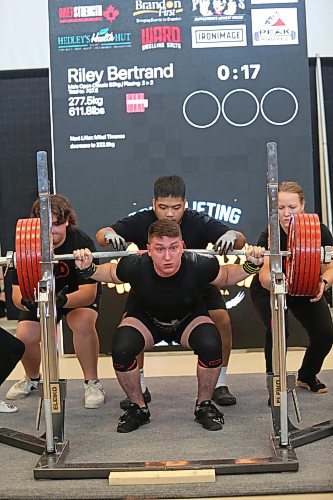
[
  {"x": 127, "y": 343},
  {"x": 205, "y": 340}
]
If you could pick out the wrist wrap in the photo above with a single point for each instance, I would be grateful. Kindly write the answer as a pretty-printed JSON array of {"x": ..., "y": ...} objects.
[
  {"x": 86, "y": 274},
  {"x": 251, "y": 268}
]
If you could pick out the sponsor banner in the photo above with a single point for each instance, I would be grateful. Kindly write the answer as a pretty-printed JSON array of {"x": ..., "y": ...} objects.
[
  {"x": 259, "y": 2},
  {"x": 158, "y": 11},
  {"x": 102, "y": 39},
  {"x": 161, "y": 37},
  {"x": 274, "y": 27},
  {"x": 206, "y": 37},
  {"x": 87, "y": 13},
  {"x": 218, "y": 10}
]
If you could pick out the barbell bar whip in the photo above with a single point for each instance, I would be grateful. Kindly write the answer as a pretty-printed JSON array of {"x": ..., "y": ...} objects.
[
  {"x": 10, "y": 260},
  {"x": 125, "y": 253},
  {"x": 304, "y": 255}
]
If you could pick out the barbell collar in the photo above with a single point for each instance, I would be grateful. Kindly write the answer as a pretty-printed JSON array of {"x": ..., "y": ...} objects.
[
  {"x": 326, "y": 255},
  {"x": 9, "y": 260}
]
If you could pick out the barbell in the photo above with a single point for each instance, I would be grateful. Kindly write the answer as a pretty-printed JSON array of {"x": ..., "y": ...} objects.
[{"x": 303, "y": 255}]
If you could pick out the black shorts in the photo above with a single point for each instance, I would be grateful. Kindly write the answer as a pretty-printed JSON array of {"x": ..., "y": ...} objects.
[
  {"x": 162, "y": 333},
  {"x": 32, "y": 316},
  {"x": 213, "y": 298}
]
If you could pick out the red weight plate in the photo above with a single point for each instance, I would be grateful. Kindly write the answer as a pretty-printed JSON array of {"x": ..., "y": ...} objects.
[
  {"x": 303, "y": 256},
  {"x": 309, "y": 282},
  {"x": 28, "y": 260},
  {"x": 314, "y": 270},
  {"x": 306, "y": 259},
  {"x": 299, "y": 256},
  {"x": 312, "y": 252},
  {"x": 19, "y": 258},
  {"x": 28, "y": 270},
  {"x": 24, "y": 237},
  {"x": 28, "y": 256},
  {"x": 318, "y": 245},
  {"x": 33, "y": 269},
  {"x": 35, "y": 265},
  {"x": 23, "y": 242},
  {"x": 291, "y": 263},
  {"x": 294, "y": 262},
  {"x": 33, "y": 252},
  {"x": 303, "y": 265},
  {"x": 33, "y": 281},
  {"x": 38, "y": 250}
]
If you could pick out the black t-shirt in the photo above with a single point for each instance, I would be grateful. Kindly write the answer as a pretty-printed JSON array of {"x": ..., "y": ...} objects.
[
  {"x": 64, "y": 271},
  {"x": 326, "y": 240},
  {"x": 167, "y": 298},
  {"x": 198, "y": 229}
]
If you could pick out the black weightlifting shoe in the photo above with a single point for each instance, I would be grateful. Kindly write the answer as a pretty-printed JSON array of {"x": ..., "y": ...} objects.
[
  {"x": 133, "y": 418},
  {"x": 125, "y": 403},
  {"x": 313, "y": 384},
  {"x": 209, "y": 416},
  {"x": 223, "y": 397}
]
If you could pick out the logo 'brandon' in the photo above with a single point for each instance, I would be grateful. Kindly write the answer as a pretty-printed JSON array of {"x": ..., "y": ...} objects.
[
  {"x": 160, "y": 9},
  {"x": 87, "y": 13}
]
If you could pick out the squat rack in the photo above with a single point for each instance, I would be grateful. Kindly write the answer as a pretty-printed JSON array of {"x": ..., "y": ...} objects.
[{"x": 53, "y": 446}]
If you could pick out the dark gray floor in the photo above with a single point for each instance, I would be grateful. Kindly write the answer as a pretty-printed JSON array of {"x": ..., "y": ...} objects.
[{"x": 171, "y": 435}]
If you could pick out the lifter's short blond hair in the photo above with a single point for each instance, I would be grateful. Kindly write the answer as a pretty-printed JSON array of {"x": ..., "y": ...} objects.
[{"x": 164, "y": 227}]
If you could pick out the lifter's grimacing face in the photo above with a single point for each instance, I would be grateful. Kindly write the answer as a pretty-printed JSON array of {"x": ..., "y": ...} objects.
[
  {"x": 169, "y": 208},
  {"x": 166, "y": 253}
]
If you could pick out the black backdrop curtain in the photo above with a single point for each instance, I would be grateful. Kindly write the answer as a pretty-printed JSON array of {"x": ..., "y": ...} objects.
[{"x": 24, "y": 130}]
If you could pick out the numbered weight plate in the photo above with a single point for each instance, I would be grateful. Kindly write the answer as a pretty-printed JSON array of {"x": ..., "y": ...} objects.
[
  {"x": 303, "y": 263},
  {"x": 28, "y": 256}
]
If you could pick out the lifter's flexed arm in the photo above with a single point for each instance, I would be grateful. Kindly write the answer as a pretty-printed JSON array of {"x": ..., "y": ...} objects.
[
  {"x": 103, "y": 272},
  {"x": 229, "y": 274}
]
